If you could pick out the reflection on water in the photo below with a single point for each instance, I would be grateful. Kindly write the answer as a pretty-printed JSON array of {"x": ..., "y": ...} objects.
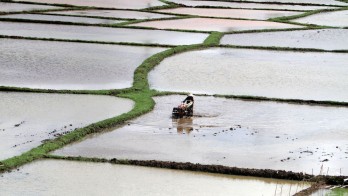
[
  {"x": 49, "y": 177},
  {"x": 28, "y": 118},
  {"x": 327, "y": 39},
  {"x": 337, "y": 19},
  {"x": 209, "y": 24},
  {"x": 183, "y": 124}
]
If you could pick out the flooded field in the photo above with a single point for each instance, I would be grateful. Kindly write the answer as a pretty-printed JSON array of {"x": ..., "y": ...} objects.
[
  {"x": 123, "y": 4},
  {"x": 231, "y": 13},
  {"x": 232, "y": 133},
  {"x": 276, "y": 74},
  {"x": 102, "y": 34},
  {"x": 74, "y": 178},
  {"x": 113, "y": 14},
  {"x": 331, "y": 192},
  {"x": 43, "y": 17},
  {"x": 327, "y": 39},
  {"x": 209, "y": 24},
  {"x": 247, "y": 5},
  {"x": 336, "y": 19},
  {"x": 30, "y": 118},
  {"x": 18, "y": 7},
  {"x": 64, "y": 65},
  {"x": 322, "y": 2}
]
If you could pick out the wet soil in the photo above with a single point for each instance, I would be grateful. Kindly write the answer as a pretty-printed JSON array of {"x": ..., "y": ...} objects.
[
  {"x": 262, "y": 135},
  {"x": 272, "y": 74},
  {"x": 209, "y": 24},
  {"x": 42, "y": 17},
  {"x": 102, "y": 34},
  {"x": 327, "y": 39},
  {"x": 64, "y": 65},
  {"x": 47, "y": 116},
  {"x": 74, "y": 178}
]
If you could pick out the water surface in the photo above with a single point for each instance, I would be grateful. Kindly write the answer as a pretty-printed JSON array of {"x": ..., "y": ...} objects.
[
  {"x": 113, "y": 14},
  {"x": 122, "y": 4},
  {"x": 247, "y": 5},
  {"x": 276, "y": 74},
  {"x": 209, "y": 24},
  {"x": 66, "y": 65},
  {"x": 231, "y": 13},
  {"x": 18, "y": 7},
  {"x": 233, "y": 133},
  {"x": 327, "y": 39},
  {"x": 26, "y": 119},
  {"x": 322, "y": 2},
  {"x": 43, "y": 17},
  {"x": 48, "y": 177},
  {"x": 102, "y": 34},
  {"x": 336, "y": 19}
]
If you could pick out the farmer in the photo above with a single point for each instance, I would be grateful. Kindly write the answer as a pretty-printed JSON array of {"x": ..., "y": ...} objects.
[{"x": 189, "y": 101}]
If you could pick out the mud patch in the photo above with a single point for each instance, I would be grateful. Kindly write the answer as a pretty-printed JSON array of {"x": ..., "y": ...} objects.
[{"x": 52, "y": 18}]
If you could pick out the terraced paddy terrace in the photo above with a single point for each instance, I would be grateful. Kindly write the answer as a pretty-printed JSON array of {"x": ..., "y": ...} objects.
[{"x": 92, "y": 97}]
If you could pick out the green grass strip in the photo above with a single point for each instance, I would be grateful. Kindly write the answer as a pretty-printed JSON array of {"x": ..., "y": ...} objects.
[{"x": 305, "y": 14}]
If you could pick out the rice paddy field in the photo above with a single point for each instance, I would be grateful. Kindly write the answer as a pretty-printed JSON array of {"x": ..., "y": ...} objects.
[{"x": 87, "y": 90}]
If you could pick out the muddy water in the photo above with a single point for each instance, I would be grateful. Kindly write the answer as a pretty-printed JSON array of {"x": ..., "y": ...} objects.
[
  {"x": 18, "y": 7},
  {"x": 327, "y": 39},
  {"x": 49, "y": 177},
  {"x": 279, "y": 74},
  {"x": 28, "y": 118},
  {"x": 64, "y": 65},
  {"x": 232, "y": 133},
  {"x": 337, "y": 19},
  {"x": 209, "y": 24},
  {"x": 231, "y": 13},
  {"x": 123, "y": 4},
  {"x": 100, "y": 33},
  {"x": 113, "y": 14},
  {"x": 247, "y": 5},
  {"x": 42, "y": 17}
]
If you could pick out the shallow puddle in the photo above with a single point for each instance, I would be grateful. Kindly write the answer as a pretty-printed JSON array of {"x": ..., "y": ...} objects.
[
  {"x": 247, "y": 5},
  {"x": 18, "y": 7},
  {"x": 113, "y": 14},
  {"x": 233, "y": 133},
  {"x": 102, "y": 34},
  {"x": 275, "y": 74},
  {"x": 209, "y": 24},
  {"x": 231, "y": 13},
  {"x": 122, "y": 4},
  {"x": 29, "y": 118},
  {"x": 48, "y": 177},
  {"x": 327, "y": 39},
  {"x": 66, "y": 65},
  {"x": 43, "y": 17},
  {"x": 336, "y": 19}
]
